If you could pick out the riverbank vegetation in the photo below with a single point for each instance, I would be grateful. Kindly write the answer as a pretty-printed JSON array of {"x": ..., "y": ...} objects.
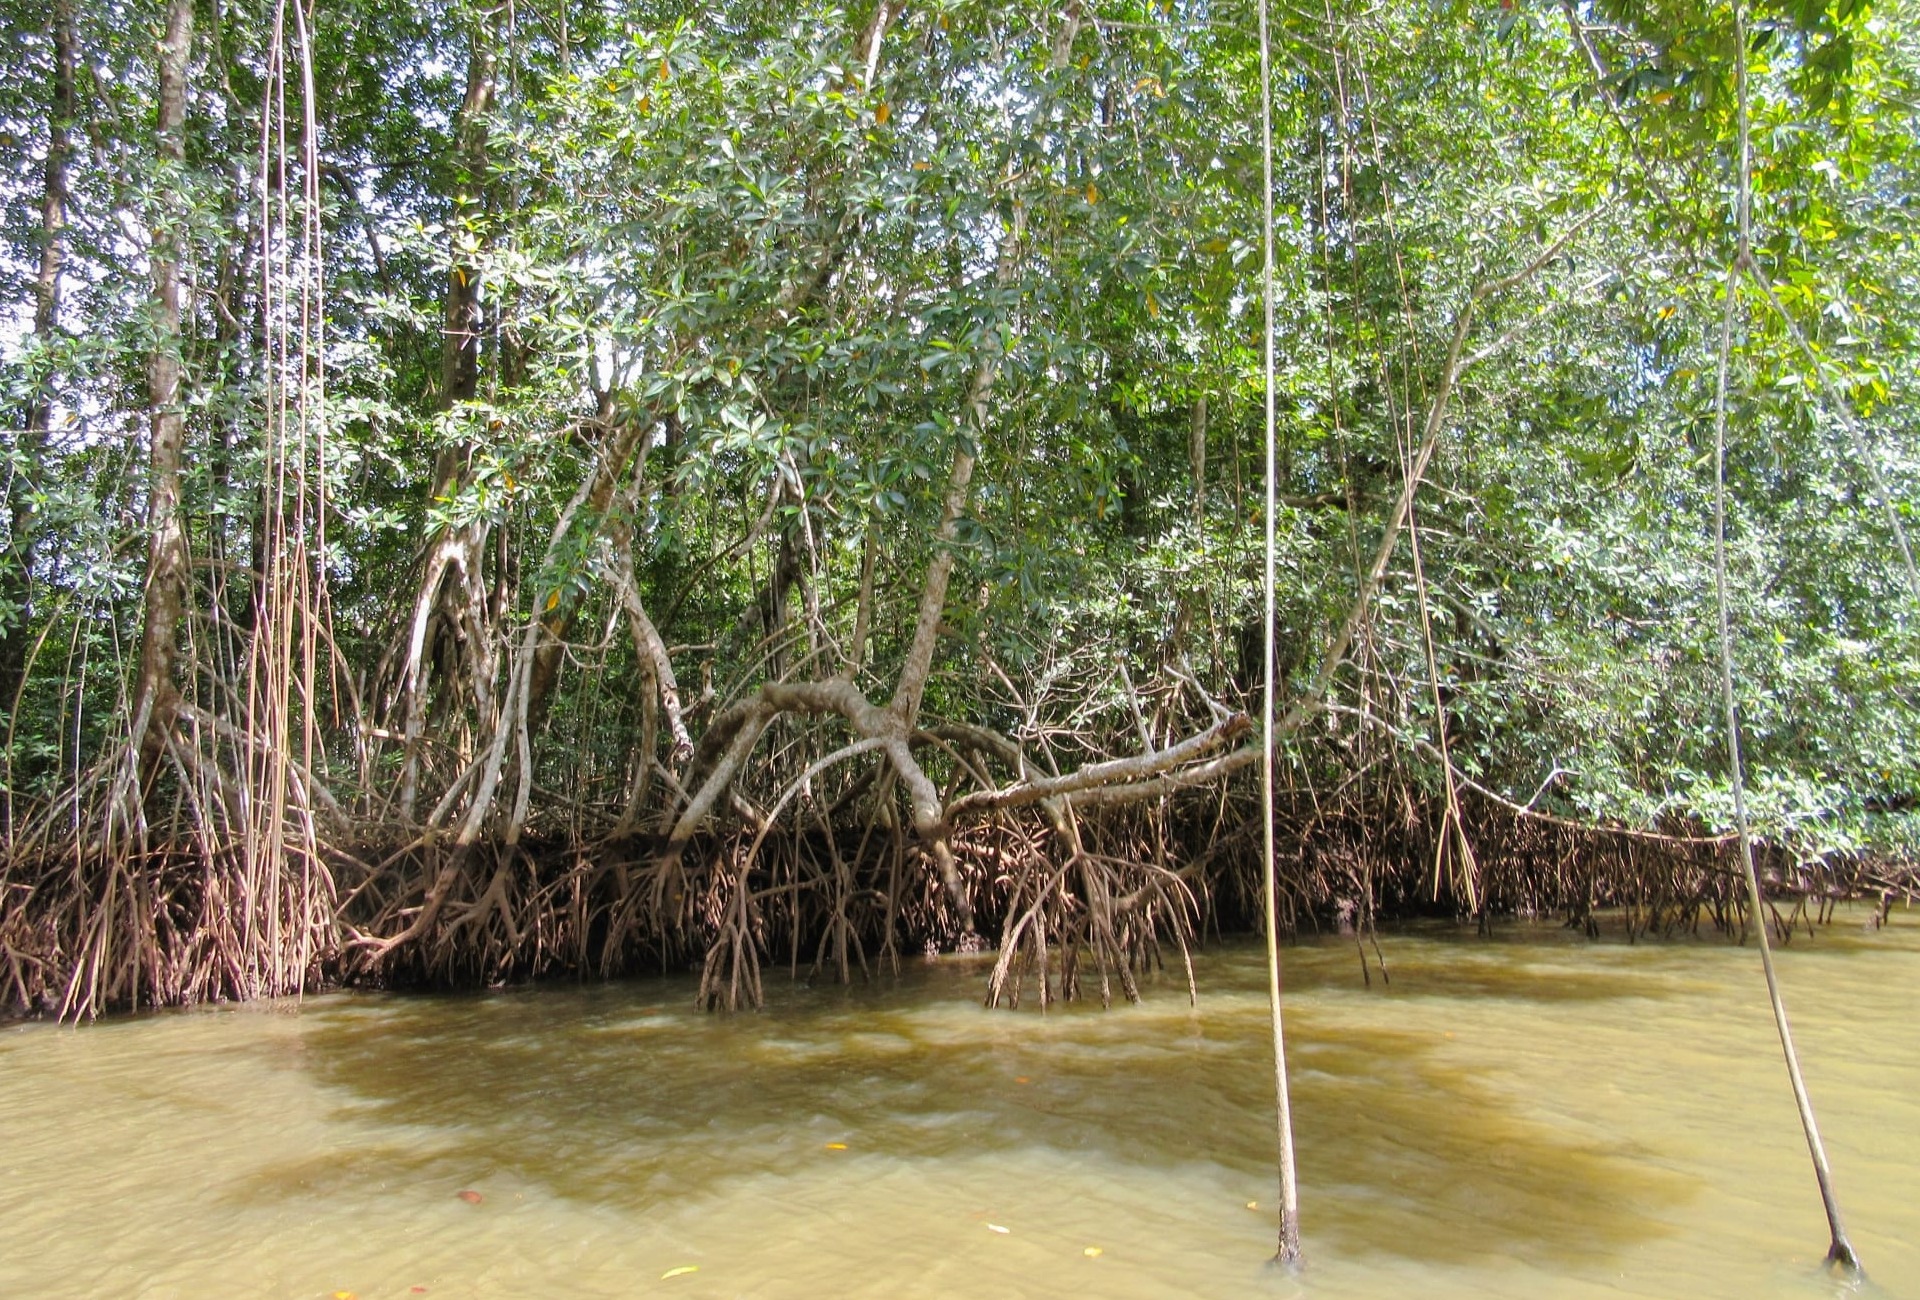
[{"x": 500, "y": 491}]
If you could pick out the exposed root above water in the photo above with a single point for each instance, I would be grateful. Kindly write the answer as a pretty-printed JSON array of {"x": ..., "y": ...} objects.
[{"x": 1085, "y": 906}]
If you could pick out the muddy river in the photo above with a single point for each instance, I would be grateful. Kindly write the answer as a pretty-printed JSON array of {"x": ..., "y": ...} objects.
[{"x": 1531, "y": 1115}]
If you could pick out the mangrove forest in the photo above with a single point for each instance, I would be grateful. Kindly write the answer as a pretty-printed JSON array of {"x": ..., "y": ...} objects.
[
  {"x": 850, "y": 512},
  {"x": 497, "y": 492}
]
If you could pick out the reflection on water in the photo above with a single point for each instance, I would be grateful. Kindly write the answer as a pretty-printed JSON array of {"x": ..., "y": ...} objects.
[{"x": 1530, "y": 1116}]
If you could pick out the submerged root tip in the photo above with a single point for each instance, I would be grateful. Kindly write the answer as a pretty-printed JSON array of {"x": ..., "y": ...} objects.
[{"x": 1843, "y": 1260}]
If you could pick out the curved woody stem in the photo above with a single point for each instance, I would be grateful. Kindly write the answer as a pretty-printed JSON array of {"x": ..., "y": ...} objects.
[
  {"x": 1289, "y": 1251},
  {"x": 1840, "y": 1250}
]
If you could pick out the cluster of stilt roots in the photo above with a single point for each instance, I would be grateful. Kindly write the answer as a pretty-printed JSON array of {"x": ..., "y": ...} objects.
[{"x": 1083, "y": 904}]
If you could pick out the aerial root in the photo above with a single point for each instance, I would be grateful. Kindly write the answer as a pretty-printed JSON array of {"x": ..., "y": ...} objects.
[{"x": 1076, "y": 902}]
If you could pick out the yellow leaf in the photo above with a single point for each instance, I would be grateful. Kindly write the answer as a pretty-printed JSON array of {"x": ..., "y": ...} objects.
[
  {"x": 681, "y": 1271},
  {"x": 922, "y": 165},
  {"x": 1093, "y": 192},
  {"x": 553, "y": 600},
  {"x": 836, "y": 1146},
  {"x": 882, "y": 113},
  {"x": 665, "y": 71},
  {"x": 646, "y": 103},
  {"x": 1093, "y": 1252},
  {"x": 1253, "y": 1205},
  {"x": 344, "y": 1295},
  {"x": 1153, "y": 307}
]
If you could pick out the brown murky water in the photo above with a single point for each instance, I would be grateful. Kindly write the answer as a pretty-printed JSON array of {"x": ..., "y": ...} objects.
[{"x": 1531, "y": 1116}]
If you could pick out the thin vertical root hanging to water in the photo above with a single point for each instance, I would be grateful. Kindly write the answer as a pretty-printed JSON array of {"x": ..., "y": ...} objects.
[{"x": 1840, "y": 1250}]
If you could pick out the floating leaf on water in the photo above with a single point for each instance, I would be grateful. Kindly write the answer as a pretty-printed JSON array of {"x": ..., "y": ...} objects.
[
  {"x": 417, "y": 1290},
  {"x": 1253, "y": 1205},
  {"x": 1023, "y": 1079},
  {"x": 345, "y": 1295},
  {"x": 680, "y": 1271},
  {"x": 836, "y": 1146},
  {"x": 1093, "y": 1252},
  {"x": 994, "y": 1227},
  {"x": 471, "y": 1197}
]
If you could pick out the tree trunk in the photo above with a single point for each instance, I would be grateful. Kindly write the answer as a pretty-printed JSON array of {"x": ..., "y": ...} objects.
[
  {"x": 16, "y": 578},
  {"x": 460, "y": 352},
  {"x": 1197, "y": 455},
  {"x": 912, "y": 683},
  {"x": 453, "y": 581},
  {"x": 156, "y": 698},
  {"x": 619, "y": 440}
]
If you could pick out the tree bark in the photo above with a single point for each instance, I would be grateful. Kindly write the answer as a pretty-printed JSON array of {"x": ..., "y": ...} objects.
[
  {"x": 156, "y": 698},
  {"x": 912, "y": 684},
  {"x": 16, "y": 578},
  {"x": 460, "y": 350},
  {"x": 619, "y": 440},
  {"x": 452, "y": 597},
  {"x": 874, "y": 33},
  {"x": 1197, "y": 456}
]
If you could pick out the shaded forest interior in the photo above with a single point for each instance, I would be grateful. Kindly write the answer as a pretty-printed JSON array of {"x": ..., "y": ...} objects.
[{"x": 498, "y": 492}]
